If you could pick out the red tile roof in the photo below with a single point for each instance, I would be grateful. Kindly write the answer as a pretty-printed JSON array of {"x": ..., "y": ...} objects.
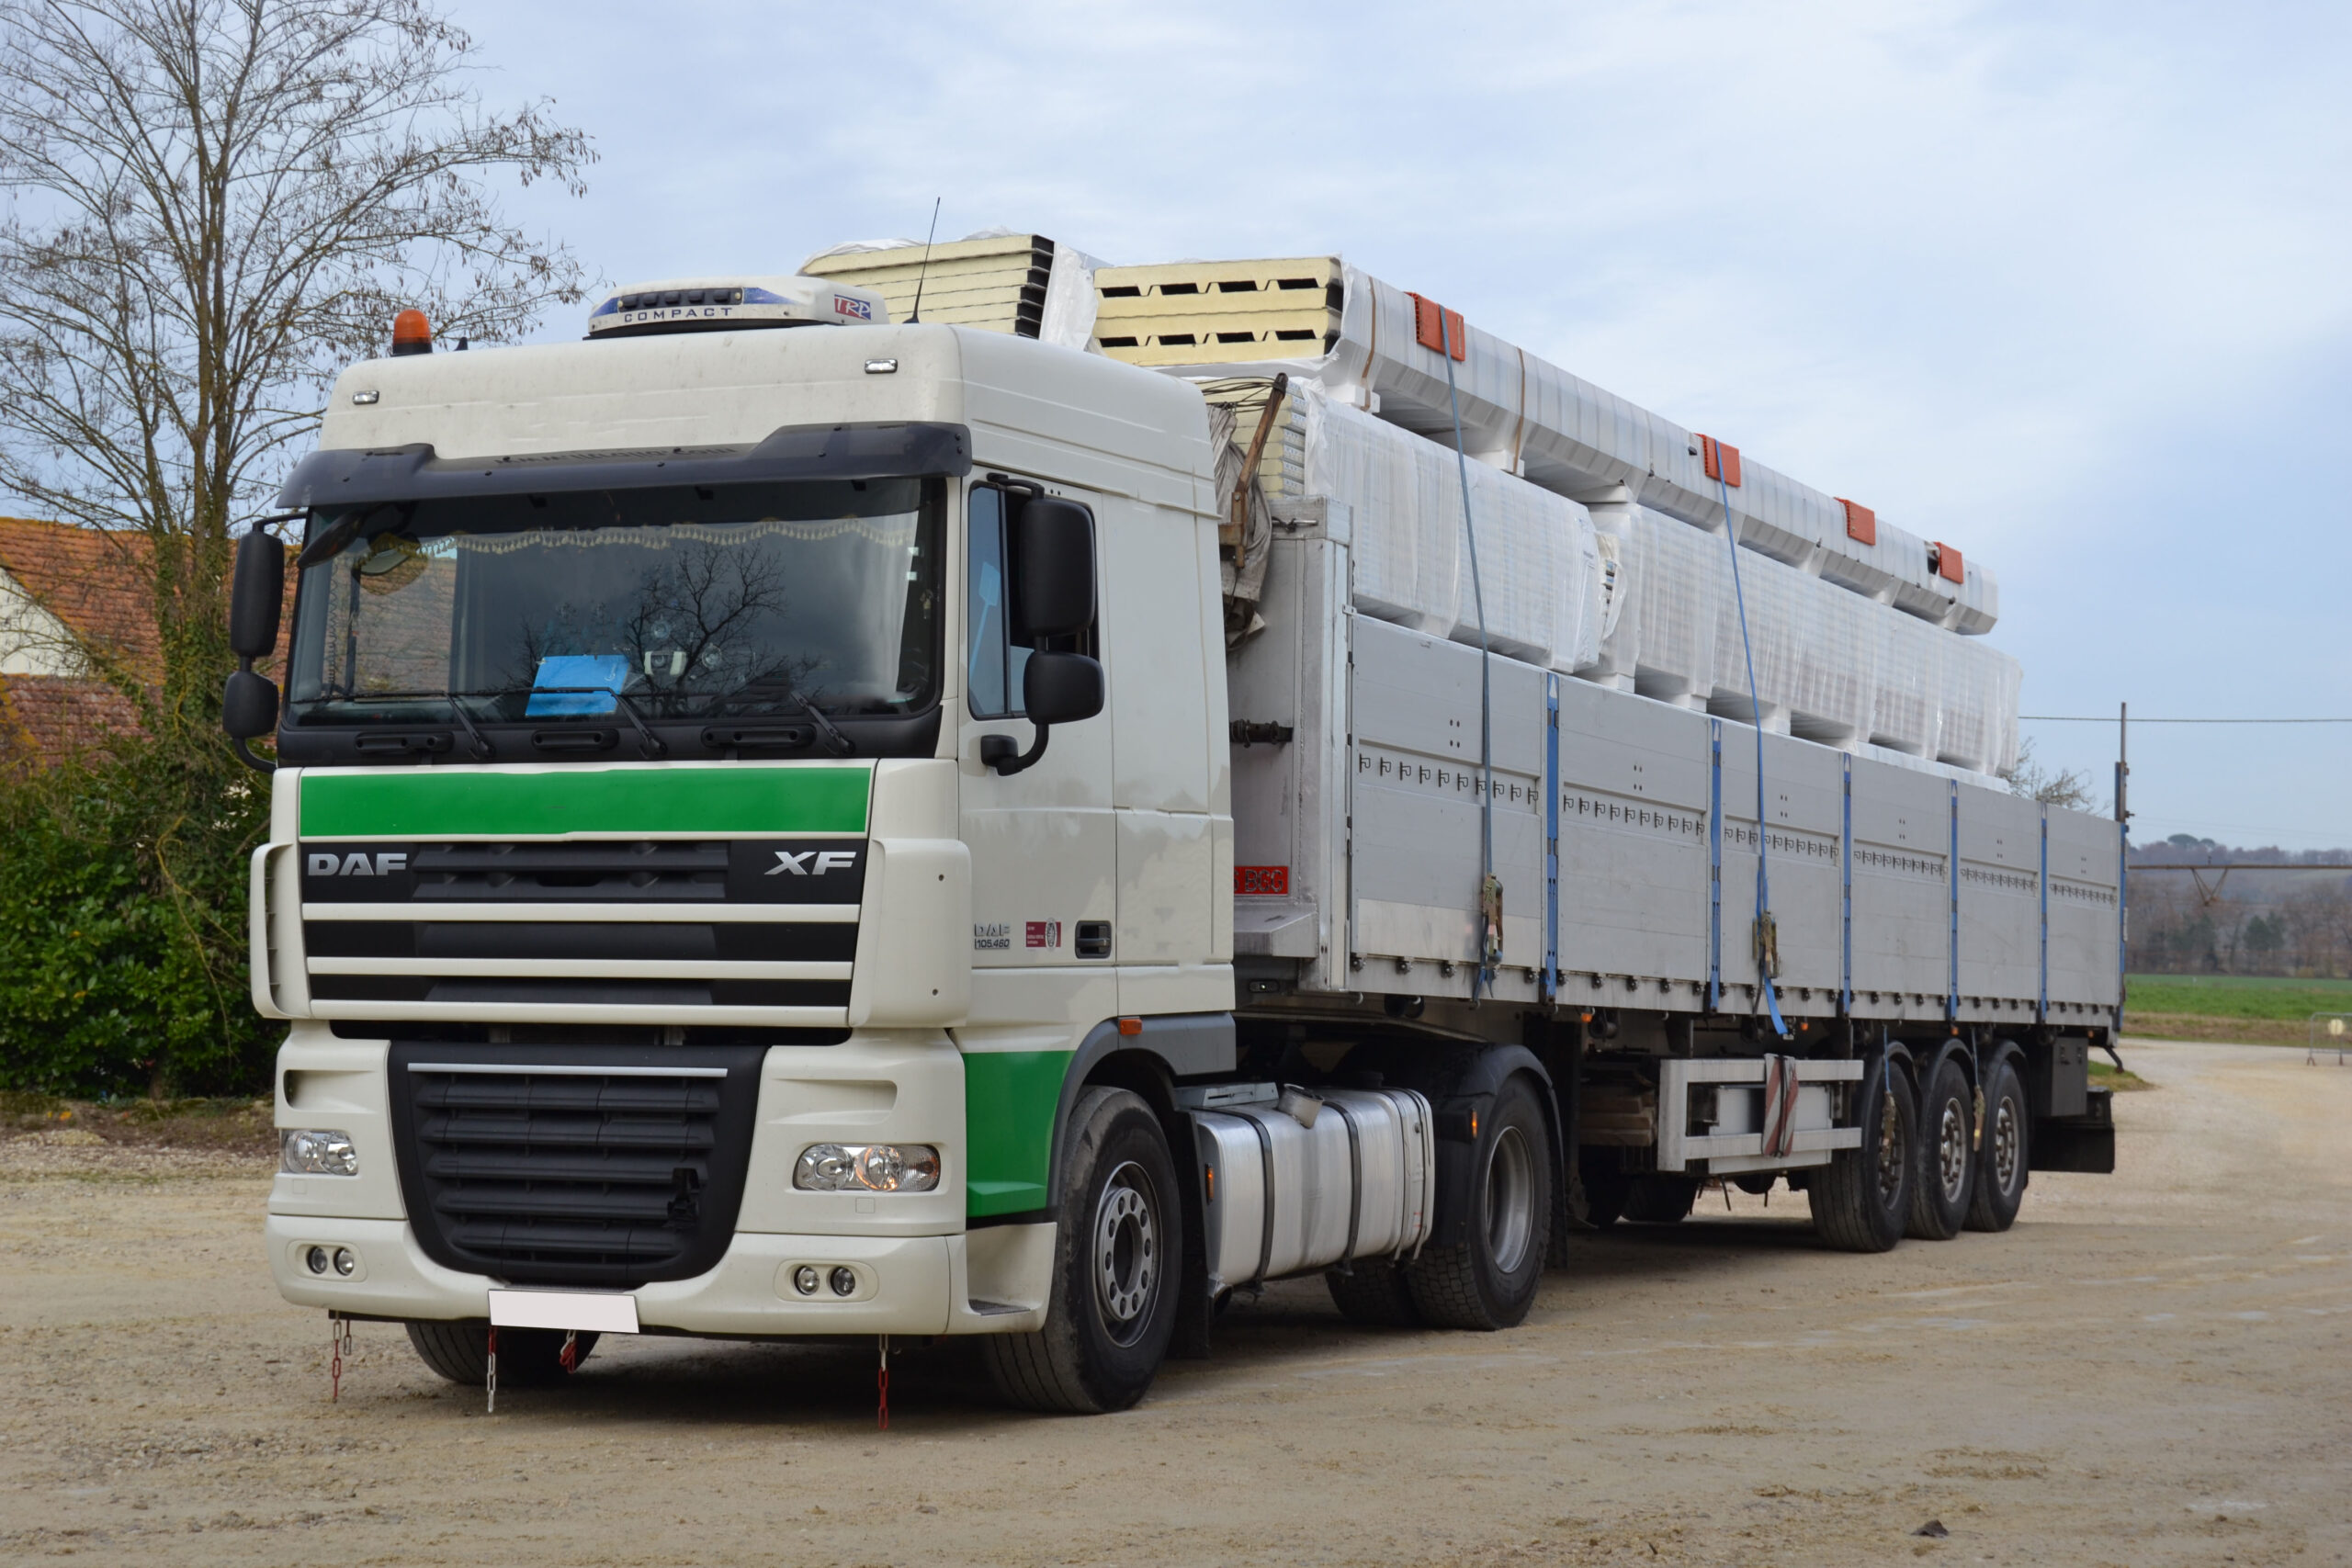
[{"x": 97, "y": 583}]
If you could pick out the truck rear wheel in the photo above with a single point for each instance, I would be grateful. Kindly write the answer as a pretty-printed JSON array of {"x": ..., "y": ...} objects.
[
  {"x": 1372, "y": 1294},
  {"x": 2000, "y": 1155},
  {"x": 1118, "y": 1260},
  {"x": 527, "y": 1358},
  {"x": 1939, "y": 1191},
  {"x": 1654, "y": 1200},
  {"x": 1489, "y": 1280},
  {"x": 1862, "y": 1201}
]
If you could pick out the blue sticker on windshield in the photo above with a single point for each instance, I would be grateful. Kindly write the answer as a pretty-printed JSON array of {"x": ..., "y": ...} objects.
[{"x": 606, "y": 673}]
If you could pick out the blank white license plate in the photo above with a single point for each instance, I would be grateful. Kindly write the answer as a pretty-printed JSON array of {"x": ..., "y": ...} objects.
[{"x": 598, "y": 1311}]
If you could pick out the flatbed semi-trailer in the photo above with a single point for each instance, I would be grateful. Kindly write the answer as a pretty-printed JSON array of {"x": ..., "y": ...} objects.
[{"x": 769, "y": 839}]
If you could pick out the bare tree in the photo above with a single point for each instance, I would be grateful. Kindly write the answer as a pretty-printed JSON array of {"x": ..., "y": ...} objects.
[
  {"x": 211, "y": 206},
  {"x": 2063, "y": 788}
]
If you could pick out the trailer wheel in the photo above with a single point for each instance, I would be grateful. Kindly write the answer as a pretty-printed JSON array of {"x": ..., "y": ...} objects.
[
  {"x": 1489, "y": 1280},
  {"x": 1862, "y": 1200},
  {"x": 1118, "y": 1261},
  {"x": 1656, "y": 1199},
  {"x": 1940, "y": 1191},
  {"x": 527, "y": 1358},
  {"x": 2001, "y": 1167},
  {"x": 1372, "y": 1294}
]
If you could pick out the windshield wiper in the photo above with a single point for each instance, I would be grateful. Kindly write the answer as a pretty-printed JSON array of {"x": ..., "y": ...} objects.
[
  {"x": 476, "y": 741},
  {"x": 647, "y": 743},
  {"x": 759, "y": 690},
  {"x": 835, "y": 741}
]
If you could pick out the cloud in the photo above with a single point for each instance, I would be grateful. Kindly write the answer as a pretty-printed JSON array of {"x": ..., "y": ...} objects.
[{"x": 2063, "y": 285}]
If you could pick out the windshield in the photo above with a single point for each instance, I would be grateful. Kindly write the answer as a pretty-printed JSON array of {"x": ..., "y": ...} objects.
[{"x": 689, "y": 602}]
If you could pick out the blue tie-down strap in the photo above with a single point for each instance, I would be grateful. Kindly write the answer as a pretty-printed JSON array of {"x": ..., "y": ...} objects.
[{"x": 569, "y": 685}]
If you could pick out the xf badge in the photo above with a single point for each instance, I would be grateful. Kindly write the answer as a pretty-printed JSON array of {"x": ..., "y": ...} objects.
[{"x": 799, "y": 864}]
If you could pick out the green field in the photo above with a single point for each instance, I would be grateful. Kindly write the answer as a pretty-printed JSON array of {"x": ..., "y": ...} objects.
[{"x": 2235, "y": 996}]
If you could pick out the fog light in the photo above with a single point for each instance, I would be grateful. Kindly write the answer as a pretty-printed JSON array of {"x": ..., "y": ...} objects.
[
  {"x": 317, "y": 1258},
  {"x": 844, "y": 1282},
  {"x": 804, "y": 1279},
  {"x": 345, "y": 1261},
  {"x": 867, "y": 1167},
  {"x": 307, "y": 1153}
]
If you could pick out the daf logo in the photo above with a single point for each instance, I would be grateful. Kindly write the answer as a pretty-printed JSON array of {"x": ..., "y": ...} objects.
[
  {"x": 827, "y": 859},
  {"x": 392, "y": 864}
]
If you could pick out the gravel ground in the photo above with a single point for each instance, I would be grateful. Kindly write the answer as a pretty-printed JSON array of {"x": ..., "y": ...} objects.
[{"x": 2149, "y": 1369}]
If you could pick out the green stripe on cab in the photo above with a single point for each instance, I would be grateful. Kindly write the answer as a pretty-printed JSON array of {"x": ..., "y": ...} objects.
[
  {"x": 1010, "y": 1099},
  {"x": 716, "y": 802}
]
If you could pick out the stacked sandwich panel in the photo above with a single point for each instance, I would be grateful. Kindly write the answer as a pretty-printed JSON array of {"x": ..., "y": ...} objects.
[
  {"x": 1022, "y": 284},
  {"x": 1377, "y": 346},
  {"x": 1620, "y": 594},
  {"x": 1829, "y": 666},
  {"x": 1537, "y": 588}
]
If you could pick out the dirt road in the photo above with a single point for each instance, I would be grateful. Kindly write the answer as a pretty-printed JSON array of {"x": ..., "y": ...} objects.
[{"x": 2151, "y": 1368}]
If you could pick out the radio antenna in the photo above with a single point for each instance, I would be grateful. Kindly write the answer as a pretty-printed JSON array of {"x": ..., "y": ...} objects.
[{"x": 916, "y": 314}]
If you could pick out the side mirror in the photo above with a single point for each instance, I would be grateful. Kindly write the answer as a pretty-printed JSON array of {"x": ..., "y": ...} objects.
[
  {"x": 248, "y": 706},
  {"x": 1053, "y": 571},
  {"x": 249, "y": 702},
  {"x": 255, "y": 595},
  {"x": 1061, "y": 688},
  {"x": 1056, "y": 688}
]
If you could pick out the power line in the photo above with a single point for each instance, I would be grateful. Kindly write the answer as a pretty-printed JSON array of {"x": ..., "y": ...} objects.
[{"x": 2110, "y": 718}]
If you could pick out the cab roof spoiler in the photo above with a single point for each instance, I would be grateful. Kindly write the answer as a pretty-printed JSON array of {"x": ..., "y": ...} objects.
[{"x": 361, "y": 476}]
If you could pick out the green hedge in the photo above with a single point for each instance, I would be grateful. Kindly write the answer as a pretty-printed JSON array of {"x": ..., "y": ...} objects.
[{"x": 122, "y": 927}]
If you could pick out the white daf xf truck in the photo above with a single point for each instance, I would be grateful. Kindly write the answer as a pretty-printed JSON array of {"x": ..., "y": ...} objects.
[{"x": 769, "y": 839}]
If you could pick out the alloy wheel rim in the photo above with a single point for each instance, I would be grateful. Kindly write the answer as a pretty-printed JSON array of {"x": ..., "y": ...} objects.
[
  {"x": 1891, "y": 1152},
  {"x": 1127, "y": 1252},
  {"x": 2005, "y": 1145},
  {"x": 1511, "y": 1199},
  {"x": 1951, "y": 1151}
]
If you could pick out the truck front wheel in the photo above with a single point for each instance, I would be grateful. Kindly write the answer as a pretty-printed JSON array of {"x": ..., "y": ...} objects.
[
  {"x": 1118, "y": 1261},
  {"x": 527, "y": 1358},
  {"x": 1489, "y": 1280}
]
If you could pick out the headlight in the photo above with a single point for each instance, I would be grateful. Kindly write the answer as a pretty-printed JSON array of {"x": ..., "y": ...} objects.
[
  {"x": 867, "y": 1167},
  {"x": 317, "y": 1154}
]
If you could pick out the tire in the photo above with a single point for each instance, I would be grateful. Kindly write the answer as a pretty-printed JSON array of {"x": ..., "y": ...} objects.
[
  {"x": 1118, "y": 1264},
  {"x": 1941, "y": 1187},
  {"x": 527, "y": 1358},
  {"x": 2002, "y": 1168},
  {"x": 1489, "y": 1280},
  {"x": 1656, "y": 1199},
  {"x": 1606, "y": 1187},
  {"x": 1372, "y": 1294},
  {"x": 1862, "y": 1200}
]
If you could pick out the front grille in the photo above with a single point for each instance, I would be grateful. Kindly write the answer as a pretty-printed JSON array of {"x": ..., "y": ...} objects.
[
  {"x": 573, "y": 1164},
  {"x": 408, "y": 923},
  {"x": 589, "y": 870}
]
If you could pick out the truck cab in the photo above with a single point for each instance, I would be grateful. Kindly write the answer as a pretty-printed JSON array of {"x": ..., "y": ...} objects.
[{"x": 670, "y": 889}]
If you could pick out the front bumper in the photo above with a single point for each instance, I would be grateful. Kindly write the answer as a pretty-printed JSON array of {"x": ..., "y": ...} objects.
[{"x": 905, "y": 1284}]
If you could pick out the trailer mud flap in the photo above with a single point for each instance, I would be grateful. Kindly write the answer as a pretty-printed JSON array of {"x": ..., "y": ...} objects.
[{"x": 2085, "y": 1143}]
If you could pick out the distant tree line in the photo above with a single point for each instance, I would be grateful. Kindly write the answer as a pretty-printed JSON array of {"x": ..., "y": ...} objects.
[{"x": 2256, "y": 923}]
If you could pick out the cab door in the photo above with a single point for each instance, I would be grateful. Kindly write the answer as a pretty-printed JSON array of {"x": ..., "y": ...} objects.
[{"x": 1044, "y": 840}]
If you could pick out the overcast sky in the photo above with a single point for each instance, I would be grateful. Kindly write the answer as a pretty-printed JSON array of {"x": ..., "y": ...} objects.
[{"x": 2067, "y": 285}]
